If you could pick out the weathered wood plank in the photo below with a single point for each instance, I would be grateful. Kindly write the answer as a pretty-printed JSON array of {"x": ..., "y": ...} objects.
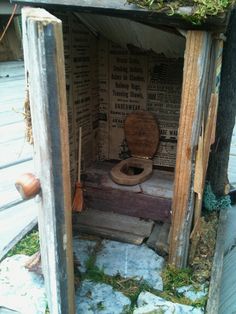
[
  {"x": 44, "y": 61},
  {"x": 10, "y": 132},
  {"x": 122, "y": 8},
  {"x": 98, "y": 175},
  {"x": 11, "y": 69},
  {"x": 204, "y": 145},
  {"x": 151, "y": 199},
  {"x": 207, "y": 137},
  {"x": 128, "y": 203},
  {"x": 217, "y": 267},
  {"x": 160, "y": 184},
  {"x": 113, "y": 221},
  {"x": 16, "y": 77},
  {"x": 14, "y": 151},
  {"x": 110, "y": 234},
  {"x": 8, "y": 99},
  {"x": 12, "y": 104},
  {"x": 158, "y": 239},
  {"x": 9, "y": 117},
  {"x": 198, "y": 45}
]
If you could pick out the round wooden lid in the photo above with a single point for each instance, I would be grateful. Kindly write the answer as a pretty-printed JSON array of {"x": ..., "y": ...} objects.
[{"x": 142, "y": 134}]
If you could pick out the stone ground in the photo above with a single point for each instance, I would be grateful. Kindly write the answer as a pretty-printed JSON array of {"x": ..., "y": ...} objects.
[{"x": 99, "y": 263}]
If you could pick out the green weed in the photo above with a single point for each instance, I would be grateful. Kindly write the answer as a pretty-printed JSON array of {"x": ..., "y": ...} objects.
[
  {"x": 174, "y": 278},
  {"x": 28, "y": 245}
]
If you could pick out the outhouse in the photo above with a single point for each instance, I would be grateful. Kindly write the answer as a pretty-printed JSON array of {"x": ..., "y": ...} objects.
[{"x": 130, "y": 83}]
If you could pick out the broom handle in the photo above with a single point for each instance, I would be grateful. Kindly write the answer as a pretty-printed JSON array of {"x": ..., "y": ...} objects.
[{"x": 79, "y": 153}]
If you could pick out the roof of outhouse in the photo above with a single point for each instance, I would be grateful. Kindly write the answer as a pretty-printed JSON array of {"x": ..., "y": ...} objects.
[{"x": 187, "y": 15}]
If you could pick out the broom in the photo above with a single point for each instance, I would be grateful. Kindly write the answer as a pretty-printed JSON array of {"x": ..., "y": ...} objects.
[{"x": 78, "y": 201}]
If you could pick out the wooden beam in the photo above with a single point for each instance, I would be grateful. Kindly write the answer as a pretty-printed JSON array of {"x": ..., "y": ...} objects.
[
  {"x": 196, "y": 68},
  {"x": 123, "y": 9},
  {"x": 207, "y": 138},
  {"x": 44, "y": 61},
  {"x": 120, "y": 201},
  {"x": 149, "y": 200}
]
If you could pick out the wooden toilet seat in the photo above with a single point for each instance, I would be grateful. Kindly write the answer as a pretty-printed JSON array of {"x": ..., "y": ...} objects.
[
  {"x": 142, "y": 136},
  {"x": 120, "y": 177}
]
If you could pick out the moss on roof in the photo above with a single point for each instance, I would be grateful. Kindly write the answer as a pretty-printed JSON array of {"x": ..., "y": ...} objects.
[{"x": 197, "y": 10}]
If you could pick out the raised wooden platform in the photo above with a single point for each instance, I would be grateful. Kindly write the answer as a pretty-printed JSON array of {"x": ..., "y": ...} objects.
[{"x": 149, "y": 200}]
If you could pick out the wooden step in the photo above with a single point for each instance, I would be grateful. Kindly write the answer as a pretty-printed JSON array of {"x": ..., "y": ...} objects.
[
  {"x": 112, "y": 225},
  {"x": 149, "y": 200}
]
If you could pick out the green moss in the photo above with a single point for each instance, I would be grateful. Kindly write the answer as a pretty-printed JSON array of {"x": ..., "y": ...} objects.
[
  {"x": 129, "y": 287},
  {"x": 172, "y": 279},
  {"x": 28, "y": 245},
  {"x": 211, "y": 7},
  {"x": 201, "y": 8}
]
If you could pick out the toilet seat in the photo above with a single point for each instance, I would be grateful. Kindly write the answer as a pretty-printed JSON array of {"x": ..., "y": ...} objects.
[
  {"x": 142, "y": 136},
  {"x": 124, "y": 179}
]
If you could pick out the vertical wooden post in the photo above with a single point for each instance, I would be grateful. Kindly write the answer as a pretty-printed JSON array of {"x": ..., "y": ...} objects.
[
  {"x": 194, "y": 94},
  {"x": 44, "y": 60},
  {"x": 207, "y": 137}
]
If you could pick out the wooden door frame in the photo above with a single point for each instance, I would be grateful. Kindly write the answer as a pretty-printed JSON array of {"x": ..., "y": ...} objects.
[
  {"x": 44, "y": 60},
  {"x": 45, "y": 72},
  {"x": 199, "y": 102}
]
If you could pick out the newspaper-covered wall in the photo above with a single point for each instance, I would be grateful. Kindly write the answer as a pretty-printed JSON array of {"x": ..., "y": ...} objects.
[
  {"x": 137, "y": 80},
  {"x": 164, "y": 95},
  {"x": 105, "y": 83},
  {"x": 85, "y": 90},
  {"x": 81, "y": 66},
  {"x": 104, "y": 99},
  {"x": 128, "y": 93}
]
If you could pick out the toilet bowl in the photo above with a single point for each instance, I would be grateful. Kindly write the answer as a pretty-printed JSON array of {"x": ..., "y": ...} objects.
[{"x": 142, "y": 136}]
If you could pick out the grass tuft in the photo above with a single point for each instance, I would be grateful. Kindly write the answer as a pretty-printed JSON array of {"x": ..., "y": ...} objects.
[
  {"x": 174, "y": 278},
  {"x": 28, "y": 245}
]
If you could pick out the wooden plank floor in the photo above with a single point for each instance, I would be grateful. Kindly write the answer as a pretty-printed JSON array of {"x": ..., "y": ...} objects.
[{"x": 16, "y": 216}]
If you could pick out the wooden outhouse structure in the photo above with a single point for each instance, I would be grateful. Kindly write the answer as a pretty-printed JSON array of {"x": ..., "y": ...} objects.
[{"x": 89, "y": 64}]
